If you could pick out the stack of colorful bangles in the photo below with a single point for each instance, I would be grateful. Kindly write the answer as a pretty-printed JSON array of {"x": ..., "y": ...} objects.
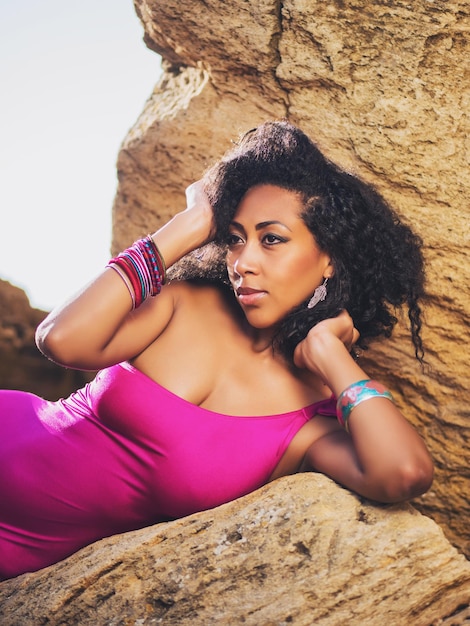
[
  {"x": 142, "y": 269},
  {"x": 355, "y": 394}
]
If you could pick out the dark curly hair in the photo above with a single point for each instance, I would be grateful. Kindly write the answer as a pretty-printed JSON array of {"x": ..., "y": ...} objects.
[{"x": 377, "y": 260}]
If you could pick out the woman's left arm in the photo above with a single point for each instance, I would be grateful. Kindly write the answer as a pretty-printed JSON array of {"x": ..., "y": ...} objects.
[{"x": 382, "y": 457}]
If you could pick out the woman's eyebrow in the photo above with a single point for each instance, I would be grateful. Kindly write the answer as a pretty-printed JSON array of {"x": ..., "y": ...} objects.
[
  {"x": 237, "y": 225},
  {"x": 261, "y": 225}
]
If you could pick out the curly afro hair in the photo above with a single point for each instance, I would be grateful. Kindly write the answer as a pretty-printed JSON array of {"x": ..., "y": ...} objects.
[{"x": 377, "y": 260}]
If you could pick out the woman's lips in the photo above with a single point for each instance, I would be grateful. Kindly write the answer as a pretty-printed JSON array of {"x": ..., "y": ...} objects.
[{"x": 248, "y": 296}]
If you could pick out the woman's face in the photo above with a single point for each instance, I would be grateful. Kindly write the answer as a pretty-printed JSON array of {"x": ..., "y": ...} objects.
[{"x": 273, "y": 261}]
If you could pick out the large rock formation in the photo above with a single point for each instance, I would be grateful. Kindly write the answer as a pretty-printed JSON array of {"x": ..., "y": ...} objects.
[
  {"x": 384, "y": 90},
  {"x": 300, "y": 551}
]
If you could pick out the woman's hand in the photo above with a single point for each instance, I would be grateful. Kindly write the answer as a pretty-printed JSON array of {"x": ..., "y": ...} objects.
[
  {"x": 189, "y": 229},
  {"x": 310, "y": 352},
  {"x": 197, "y": 203}
]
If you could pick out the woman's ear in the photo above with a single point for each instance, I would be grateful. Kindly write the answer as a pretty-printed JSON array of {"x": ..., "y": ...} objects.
[{"x": 329, "y": 270}]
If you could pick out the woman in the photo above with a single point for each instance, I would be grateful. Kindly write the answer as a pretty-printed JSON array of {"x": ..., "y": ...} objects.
[{"x": 229, "y": 378}]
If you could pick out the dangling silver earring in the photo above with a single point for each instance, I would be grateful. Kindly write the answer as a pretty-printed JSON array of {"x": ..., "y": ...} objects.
[{"x": 318, "y": 295}]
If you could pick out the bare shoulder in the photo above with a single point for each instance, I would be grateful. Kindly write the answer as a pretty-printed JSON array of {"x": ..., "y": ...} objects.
[
  {"x": 202, "y": 296},
  {"x": 198, "y": 288},
  {"x": 181, "y": 296},
  {"x": 198, "y": 314}
]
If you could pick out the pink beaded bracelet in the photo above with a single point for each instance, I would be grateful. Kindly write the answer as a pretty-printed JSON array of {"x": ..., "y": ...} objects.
[
  {"x": 142, "y": 269},
  {"x": 357, "y": 393}
]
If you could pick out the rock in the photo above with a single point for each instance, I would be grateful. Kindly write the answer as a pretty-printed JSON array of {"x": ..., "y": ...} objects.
[
  {"x": 301, "y": 551},
  {"x": 383, "y": 88},
  {"x": 22, "y": 366}
]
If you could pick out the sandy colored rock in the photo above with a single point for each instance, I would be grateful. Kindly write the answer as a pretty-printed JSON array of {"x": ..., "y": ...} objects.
[
  {"x": 384, "y": 89},
  {"x": 299, "y": 551}
]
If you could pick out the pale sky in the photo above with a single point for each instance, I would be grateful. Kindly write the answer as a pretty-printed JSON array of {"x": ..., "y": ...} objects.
[{"x": 74, "y": 77}]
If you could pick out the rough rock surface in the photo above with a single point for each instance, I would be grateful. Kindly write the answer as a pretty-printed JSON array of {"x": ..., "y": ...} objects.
[
  {"x": 300, "y": 551},
  {"x": 384, "y": 89},
  {"x": 22, "y": 366}
]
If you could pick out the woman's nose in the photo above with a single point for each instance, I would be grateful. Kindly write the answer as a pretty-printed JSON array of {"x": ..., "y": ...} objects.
[{"x": 247, "y": 261}]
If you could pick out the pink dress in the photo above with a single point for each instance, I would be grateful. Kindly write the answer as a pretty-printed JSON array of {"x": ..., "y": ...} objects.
[{"x": 120, "y": 454}]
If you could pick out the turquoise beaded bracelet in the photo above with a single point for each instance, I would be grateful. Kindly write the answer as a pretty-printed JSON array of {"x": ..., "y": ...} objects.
[{"x": 357, "y": 393}]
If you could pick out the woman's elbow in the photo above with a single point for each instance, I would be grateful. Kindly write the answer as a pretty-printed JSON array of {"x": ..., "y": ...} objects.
[
  {"x": 53, "y": 342},
  {"x": 411, "y": 480},
  {"x": 47, "y": 342},
  {"x": 43, "y": 335}
]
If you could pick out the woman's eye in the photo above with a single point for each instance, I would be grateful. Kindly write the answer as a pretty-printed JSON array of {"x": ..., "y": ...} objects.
[
  {"x": 271, "y": 239},
  {"x": 233, "y": 239}
]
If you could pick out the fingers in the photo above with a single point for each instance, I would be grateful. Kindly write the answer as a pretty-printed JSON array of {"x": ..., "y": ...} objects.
[
  {"x": 356, "y": 335},
  {"x": 341, "y": 326},
  {"x": 198, "y": 204},
  {"x": 351, "y": 334},
  {"x": 309, "y": 353},
  {"x": 195, "y": 194}
]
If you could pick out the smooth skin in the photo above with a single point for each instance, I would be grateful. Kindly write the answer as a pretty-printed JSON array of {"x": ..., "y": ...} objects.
[{"x": 217, "y": 353}]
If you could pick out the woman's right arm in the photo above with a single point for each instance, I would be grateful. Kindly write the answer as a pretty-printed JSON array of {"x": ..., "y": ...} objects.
[{"x": 96, "y": 327}]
